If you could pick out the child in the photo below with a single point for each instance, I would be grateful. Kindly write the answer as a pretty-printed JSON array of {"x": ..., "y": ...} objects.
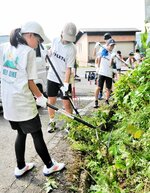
[
  {"x": 18, "y": 72},
  {"x": 118, "y": 59},
  {"x": 131, "y": 60},
  {"x": 105, "y": 71},
  {"x": 63, "y": 55},
  {"x": 97, "y": 51}
]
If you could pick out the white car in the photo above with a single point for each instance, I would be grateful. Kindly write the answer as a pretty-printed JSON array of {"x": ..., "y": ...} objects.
[
  {"x": 0, "y": 94},
  {"x": 42, "y": 70},
  {"x": 3, "y": 39}
]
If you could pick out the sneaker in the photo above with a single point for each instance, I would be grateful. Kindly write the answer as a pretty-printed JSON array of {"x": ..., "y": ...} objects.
[
  {"x": 96, "y": 104},
  {"x": 21, "y": 172},
  {"x": 100, "y": 96},
  {"x": 55, "y": 168},
  {"x": 51, "y": 127},
  {"x": 107, "y": 102}
]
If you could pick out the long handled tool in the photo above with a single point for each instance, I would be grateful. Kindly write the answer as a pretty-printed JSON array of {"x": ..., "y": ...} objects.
[
  {"x": 75, "y": 99},
  {"x": 115, "y": 56},
  {"x": 60, "y": 81},
  {"x": 71, "y": 116}
]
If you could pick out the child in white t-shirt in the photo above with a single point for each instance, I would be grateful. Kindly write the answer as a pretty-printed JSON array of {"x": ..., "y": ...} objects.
[
  {"x": 131, "y": 60},
  {"x": 18, "y": 71},
  {"x": 105, "y": 71},
  {"x": 96, "y": 53},
  {"x": 118, "y": 60},
  {"x": 63, "y": 55}
]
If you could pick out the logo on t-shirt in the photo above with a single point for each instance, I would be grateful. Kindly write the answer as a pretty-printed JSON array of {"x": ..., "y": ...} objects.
[
  {"x": 9, "y": 66},
  {"x": 59, "y": 56}
]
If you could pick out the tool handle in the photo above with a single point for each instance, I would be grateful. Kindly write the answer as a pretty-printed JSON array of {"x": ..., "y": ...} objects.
[
  {"x": 84, "y": 122},
  {"x": 52, "y": 107},
  {"x": 47, "y": 57},
  {"x": 71, "y": 116},
  {"x": 60, "y": 81},
  {"x": 115, "y": 56}
]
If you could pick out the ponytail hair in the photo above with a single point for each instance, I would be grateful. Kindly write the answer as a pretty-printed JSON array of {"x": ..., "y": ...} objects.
[{"x": 16, "y": 38}]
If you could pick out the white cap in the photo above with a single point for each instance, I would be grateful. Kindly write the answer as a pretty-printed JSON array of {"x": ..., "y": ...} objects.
[
  {"x": 34, "y": 27},
  {"x": 69, "y": 32}
]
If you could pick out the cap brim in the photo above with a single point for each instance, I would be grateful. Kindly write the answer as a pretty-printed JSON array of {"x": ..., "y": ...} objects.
[
  {"x": 69, "y": 38},
  {"x": 111, "y": 44},
  {"x": 46, "y": 39}
]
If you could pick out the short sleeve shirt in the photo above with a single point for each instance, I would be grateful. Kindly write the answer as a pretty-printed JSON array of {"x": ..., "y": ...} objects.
[
  {"x": 105, "y": 64},
  {"x": 62, "y": 57},
  {"x": 18, "y": 65}
]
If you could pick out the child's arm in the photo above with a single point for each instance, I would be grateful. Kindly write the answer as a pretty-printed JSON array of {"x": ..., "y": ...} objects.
[{"x": 34, "y": 89}]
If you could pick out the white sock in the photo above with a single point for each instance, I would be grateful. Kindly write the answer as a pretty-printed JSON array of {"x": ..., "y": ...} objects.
[{"x": 52, "y": 120}]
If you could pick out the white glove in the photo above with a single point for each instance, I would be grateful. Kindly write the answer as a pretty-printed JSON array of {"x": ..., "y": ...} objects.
[
  {"x": 44, "y": 53},
  {"x": 114, "y": 71},
  {"x": 64, "y": 88},
  {"x": 41, "y": 101},
  {"x": 97, "y": 44}
]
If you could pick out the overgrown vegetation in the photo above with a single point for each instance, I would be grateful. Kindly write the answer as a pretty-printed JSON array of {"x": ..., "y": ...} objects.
[
  {"x": 117, "y": 155},
  {"x": 50, "y": 184}
]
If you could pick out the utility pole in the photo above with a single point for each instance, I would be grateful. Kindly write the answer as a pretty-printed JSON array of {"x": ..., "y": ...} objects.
[{"x": 147, "y": 15}]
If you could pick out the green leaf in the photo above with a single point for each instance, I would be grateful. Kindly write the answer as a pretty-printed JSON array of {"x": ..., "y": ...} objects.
[
  {"x": 120, "y": 164},
  {"x": 138, "y": 134},
  {"x": 50, "y": 184},
  {"x": 131, "y": 129}
]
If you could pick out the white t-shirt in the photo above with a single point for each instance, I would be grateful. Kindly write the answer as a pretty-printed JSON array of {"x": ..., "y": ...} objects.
[
  {"x": 130, "y": 62},
  {"x": 118, "y": 62},
  {"x": 62, "y": 56},
  {"x": 18, "y": 65},
  {"x": 105, "y": 68},
  {"x": 137, "y": 57}
]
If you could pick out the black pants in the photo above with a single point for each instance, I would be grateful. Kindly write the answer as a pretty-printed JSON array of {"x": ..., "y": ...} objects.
[{"x": 39, "y": 144}]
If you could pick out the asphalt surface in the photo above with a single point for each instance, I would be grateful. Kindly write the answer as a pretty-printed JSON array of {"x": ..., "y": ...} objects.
[{"x": 33, "y": 182}]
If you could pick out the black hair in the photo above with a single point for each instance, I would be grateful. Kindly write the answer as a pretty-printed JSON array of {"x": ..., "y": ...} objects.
[
  {"x": 38, "y": 51},
  {"x": 37, "y": 35},
  {"x": 137, "y": 50},
  {"x": 107, "y": 36},
  {"x": 119, "y": 52},
  {"x": 131, "y": 54},
  {"x": 16, "y": 38}
]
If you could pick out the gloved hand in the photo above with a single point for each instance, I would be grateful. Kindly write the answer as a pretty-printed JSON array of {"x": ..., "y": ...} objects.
[
  {"x": 64, "y": 88},
  {"x": 97, "y": 44},
  {"x": 41, "y": 101},
  {"x": 44, "y": 53}
]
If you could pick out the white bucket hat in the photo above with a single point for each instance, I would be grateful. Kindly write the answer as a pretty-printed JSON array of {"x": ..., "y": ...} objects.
[
  {"x": 69, "y": 32},
  {"x": 34, "y": 27}
]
